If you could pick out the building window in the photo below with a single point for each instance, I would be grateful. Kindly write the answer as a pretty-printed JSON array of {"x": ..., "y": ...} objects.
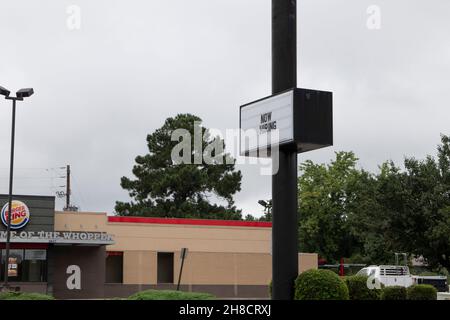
[
  {"x": 165, "y": 267},
  {"x": 26, "y": 265},
  {"x": 114, "y": 267}
]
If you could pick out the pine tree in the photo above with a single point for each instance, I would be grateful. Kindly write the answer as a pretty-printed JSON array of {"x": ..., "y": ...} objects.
[{"x": 164, "y": 188}]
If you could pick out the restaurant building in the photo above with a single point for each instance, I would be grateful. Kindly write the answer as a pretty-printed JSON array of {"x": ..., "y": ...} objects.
[{"x": 77, "y": 255}]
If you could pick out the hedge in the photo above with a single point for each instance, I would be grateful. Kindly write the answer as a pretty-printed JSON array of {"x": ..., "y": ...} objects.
[
  {"x": 421, "y": 292},
  {"x": 24, "y": 296},
  {"x": 393, "y": 293},
  {"x": 320, "y": 285},
  {"x": 270, "y": 289},
  {"x": 358, "y": 289},
  {"x": 170, "y": 295}
]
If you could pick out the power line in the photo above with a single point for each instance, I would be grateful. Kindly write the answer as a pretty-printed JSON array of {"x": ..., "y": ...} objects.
[
  {"x": 83, "y": 202},
  {"x": 51, "y": 183}
]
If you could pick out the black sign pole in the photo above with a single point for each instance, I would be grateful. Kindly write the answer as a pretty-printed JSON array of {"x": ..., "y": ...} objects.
[
  {"x": 284, "y": 182},
  {"x": 183, "y": 256}
]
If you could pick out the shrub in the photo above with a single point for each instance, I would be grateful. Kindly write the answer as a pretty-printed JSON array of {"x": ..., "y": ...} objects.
[
  {"x": 358, "y": 290},
  {"x": 422, "y": 292},
  {"x": 24, "y": 296},
  {"x": 393, "y": 293},
  {"x": 428, "y": 273},
  {"x": 270, "y": 289},
  {"x": 320, "y": 285},
  {"x": 170, "y": 295}
]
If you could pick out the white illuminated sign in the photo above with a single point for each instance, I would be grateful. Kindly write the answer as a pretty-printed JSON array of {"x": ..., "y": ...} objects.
[{"x": 267, "y": 122}]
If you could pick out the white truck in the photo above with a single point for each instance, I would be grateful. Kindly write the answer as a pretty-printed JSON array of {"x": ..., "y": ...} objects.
[{"x": 389, "y": 275}]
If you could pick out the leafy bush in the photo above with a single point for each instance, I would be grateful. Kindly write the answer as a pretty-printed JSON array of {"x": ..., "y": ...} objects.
[
  {"x": 170, "y": 295},
  {"x": 270, "y": 289},
  {"x": 422, "y": 292},
  {"x": 320, "y": 285},
  {"x": 393, "y": 293},
  {"x": 24, "y": 296},
  {"x": 358, "y": 290},
  {"x": 429, "y": 273}
]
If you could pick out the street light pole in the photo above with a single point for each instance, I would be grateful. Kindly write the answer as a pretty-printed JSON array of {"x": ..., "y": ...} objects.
[
  {"x": 23, "y": 93},
  {"x": 11, "y": 170}
]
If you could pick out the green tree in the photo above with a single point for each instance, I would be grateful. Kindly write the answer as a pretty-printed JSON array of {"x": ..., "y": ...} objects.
[
  {"x": 371, "y": 223},
  {"x": 327, "y": 202},
  {"x": 165, "y": 188},
  {"x": 346, "y": 212},
  {"x": 430, "y": 182},
  {"x": 416, "y": 205},
  {"x": 409, "y": 211}
]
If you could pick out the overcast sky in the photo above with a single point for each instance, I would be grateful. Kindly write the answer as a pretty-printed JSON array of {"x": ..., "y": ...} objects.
[{"x": 100, "y": 89}]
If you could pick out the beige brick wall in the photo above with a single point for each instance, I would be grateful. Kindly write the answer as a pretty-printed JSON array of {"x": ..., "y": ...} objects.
[
  {"x": 307, "y": 261},
  {"x": 139, "y": 267},
  {"x": 217, "y": 254},
  {"x": 168, "y": 237}
]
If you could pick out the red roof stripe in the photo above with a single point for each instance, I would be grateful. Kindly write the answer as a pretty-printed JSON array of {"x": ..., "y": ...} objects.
[{"x": 196, "y": 222}]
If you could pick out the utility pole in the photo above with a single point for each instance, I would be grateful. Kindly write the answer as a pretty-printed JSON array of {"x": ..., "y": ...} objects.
[
  {"x": 68, "y": 193},
  {"x": 67, "y": 187},
  {"x": 284, "y": 182}
]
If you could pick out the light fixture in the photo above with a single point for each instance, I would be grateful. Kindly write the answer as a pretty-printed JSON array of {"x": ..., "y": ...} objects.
[
  {"x": 24, "y": 93},
  {"x": 4, "y": 92}
]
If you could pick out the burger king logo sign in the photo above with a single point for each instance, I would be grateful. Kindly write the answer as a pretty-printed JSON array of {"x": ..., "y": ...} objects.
[{"x": 20, "y": 215}]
